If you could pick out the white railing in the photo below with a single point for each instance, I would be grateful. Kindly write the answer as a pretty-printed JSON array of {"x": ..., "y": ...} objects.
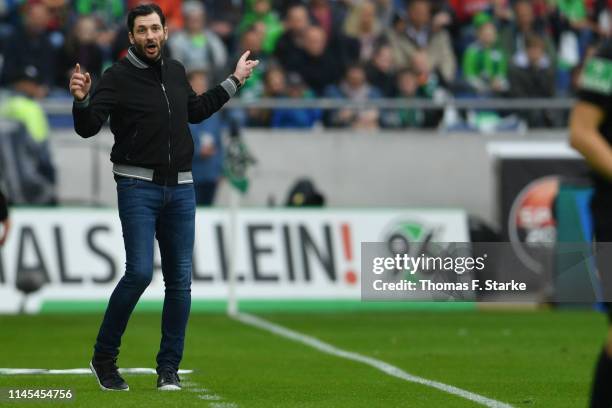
[{"x": 53, "y": 106}]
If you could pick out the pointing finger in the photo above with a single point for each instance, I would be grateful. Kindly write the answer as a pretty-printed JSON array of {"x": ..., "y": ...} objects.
[
  {"x": 77, "y": 69},
  {"x": 245, "y": 55}
]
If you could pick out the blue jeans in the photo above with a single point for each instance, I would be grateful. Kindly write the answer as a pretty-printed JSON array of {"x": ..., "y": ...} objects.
[{"x": 148, "y": 210}]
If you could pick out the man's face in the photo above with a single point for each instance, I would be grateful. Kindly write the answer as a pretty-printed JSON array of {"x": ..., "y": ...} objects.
[
  {"x": 523, "y": 12},
  {"x": 383, "y": 59},
  {"x": 195, "y": 22},
  {"x": 315, "y": 41},
  {"x": 86, "y": 30},
  {"x": 419, "y": 13},
  {"x": 407, "y": 84},
  {"x": 37, "y": 18},
  {"x": 535, "y": 53},
  {"x": 487, "y": 34},
  {"x": 297, "y": 19},
  {"x": 355, "y": 77},
  {"x": 149, "y": 36}
]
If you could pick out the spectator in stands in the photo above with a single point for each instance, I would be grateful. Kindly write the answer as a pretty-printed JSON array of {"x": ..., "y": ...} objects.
[
  {"x": 602, "y": 16},
  {"x": 23, "y": 106},
  {"x": 385, "y": 10},
  {"x": 299, "y": 117},
  {"x": 31, "y": 46},
  {"x": 430, "y": 84},
  {"x": 380, "y": 71},
  {"x": 466, "y": 10},
  {"x": 362, "y": 23},
  {"x": 353, "y": 87},
  {"x": 328, "y": 15},
  {"x": 274, "y": 86},
  {"x": 207, "y": 166},
  {"x": 536, "y": 79},
  {"x": 570, "y": 16},
  {"x": 485, "y": 67},
  {"x": 58, "y": 16},
  {"x": 259, "y": 12},
  {"x": 252, "y": 39},
  {"x": 407, "y": 87},
  {"x": 572, "y": 32},
  {"x": 419, "y": 35},
  {"x": 197, "y": 46},
  {"x": 289, "y": 49},
  {"x": 513, "y": 35},
  {"x": 317, "y": 54},
  {"x": 80, "y": 46},
  {"x": 108, "y": 15},
  {"x": 223, "y": 16}
]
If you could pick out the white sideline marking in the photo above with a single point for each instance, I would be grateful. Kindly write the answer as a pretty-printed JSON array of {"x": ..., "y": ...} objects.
[
  {"x": 198, "y": 390},
  {"x": 203, "y": 394},
  {"x": 210, "y": 397},
  {"x": 188, "y": 383},
  {"x": 77, "y": 371},
  {"x": 378, "y": 364}
]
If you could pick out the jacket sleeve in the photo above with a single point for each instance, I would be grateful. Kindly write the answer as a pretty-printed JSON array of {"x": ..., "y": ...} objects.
[
  {"x": 203, "y": 106},
  {"x": 90, "y": 114}
]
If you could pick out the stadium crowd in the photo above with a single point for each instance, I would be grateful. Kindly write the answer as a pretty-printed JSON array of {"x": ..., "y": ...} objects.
[{"x": 350, "y": 49}]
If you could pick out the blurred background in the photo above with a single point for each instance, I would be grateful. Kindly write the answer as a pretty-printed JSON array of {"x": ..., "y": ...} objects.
[{"x": 447, "y": 118}]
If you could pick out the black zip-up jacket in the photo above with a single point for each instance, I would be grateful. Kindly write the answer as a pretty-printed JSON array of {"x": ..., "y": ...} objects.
[{"x": 150, "y": 106}]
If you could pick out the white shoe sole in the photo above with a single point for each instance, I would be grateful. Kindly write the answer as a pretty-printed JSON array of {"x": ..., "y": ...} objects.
[
  {"x": 103, "y": 388},
  {"x": 169, "y": 387}
]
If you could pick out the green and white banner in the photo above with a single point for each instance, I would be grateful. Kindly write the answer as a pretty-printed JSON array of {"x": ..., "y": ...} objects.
[{"x": 77, "y": 254}]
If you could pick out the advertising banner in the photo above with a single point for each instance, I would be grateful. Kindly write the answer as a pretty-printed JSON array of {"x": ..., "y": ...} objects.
[{"x": 77, "y": 253}]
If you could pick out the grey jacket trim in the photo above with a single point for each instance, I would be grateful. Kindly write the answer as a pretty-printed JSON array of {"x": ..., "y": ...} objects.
[
  {"x": 230, "y": 87},
  {"x": 135, "y": 60},
  {"x": 183, "y": 177},
  {"x": 82, "y": 104}
]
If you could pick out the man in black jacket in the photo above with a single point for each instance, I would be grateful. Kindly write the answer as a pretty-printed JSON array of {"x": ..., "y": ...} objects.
[{"x": 150, "y": 104}]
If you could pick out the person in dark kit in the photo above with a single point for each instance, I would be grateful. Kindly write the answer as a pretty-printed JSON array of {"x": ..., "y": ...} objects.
[
  {"x": 150, "y": 103},
  {"x": 591, "y": 135},
  {"x": 5, "y": 222}
]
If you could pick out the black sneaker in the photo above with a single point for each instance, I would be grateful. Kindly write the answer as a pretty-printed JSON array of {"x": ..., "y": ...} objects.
[
  {"x": 107, "y": 375},
  {"x": 168, "y": 380}
]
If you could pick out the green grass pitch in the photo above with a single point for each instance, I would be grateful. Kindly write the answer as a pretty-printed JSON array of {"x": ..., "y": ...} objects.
[{"x": 526, "y": 359}]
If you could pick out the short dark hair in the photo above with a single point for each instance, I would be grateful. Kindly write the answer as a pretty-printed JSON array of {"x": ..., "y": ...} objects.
[{"x": 144, "y": 10}]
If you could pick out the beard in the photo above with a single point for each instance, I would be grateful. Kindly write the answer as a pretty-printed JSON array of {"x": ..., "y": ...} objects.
[{"x": 151, "y": 50}]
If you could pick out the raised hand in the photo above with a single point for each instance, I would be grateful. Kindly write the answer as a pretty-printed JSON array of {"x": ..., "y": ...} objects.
[
  {"x": 79, "y": 83},
  {"x": 245, "y": 67}
]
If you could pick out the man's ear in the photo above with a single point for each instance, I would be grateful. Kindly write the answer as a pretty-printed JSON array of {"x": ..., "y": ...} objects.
[
  {"x": 131, "y": 37},
  {"x": 166, "y": 33}
]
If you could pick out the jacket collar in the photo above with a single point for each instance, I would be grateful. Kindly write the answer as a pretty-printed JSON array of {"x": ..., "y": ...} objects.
[{"x": 137, "y": 60}]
